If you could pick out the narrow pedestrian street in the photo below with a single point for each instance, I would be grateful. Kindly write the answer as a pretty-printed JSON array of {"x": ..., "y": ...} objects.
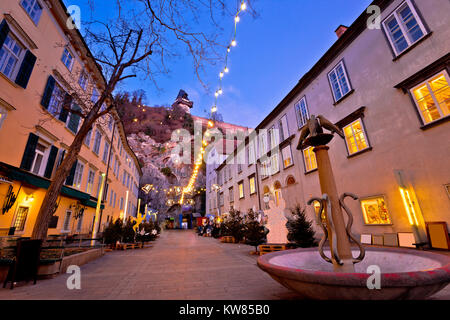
[{"x": 181, "y": 265}]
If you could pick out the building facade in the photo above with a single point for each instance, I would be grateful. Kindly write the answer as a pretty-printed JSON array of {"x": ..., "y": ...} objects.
[
  {"x": 388, "y": 89},
  {"x": 45, "y": 65}
]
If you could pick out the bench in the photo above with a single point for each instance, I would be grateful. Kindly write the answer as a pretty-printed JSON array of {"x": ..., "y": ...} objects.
[{"x": 268, "y": 248}]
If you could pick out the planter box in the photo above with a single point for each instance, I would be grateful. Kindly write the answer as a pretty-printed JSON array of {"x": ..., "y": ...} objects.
[{"x": 79, "y": 259}]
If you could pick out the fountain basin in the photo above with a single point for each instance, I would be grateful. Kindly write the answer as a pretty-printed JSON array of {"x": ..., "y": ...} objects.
[{"x": 405, "y": 274}]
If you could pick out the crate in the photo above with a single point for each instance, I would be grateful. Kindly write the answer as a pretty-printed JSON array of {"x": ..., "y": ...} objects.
[
  {"x": 268, "y": 248},
  {"x": 228, "y": 239}
]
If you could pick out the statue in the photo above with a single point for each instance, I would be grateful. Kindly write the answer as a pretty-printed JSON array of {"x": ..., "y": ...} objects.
[
  {"x": 276, "y": 222},
  {"x": 312, "y": 134}
]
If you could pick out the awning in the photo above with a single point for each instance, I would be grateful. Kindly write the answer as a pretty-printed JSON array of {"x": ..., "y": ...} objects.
[{"x": 18, "y": 174}]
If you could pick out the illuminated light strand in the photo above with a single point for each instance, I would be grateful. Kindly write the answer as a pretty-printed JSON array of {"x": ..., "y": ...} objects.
[{"x": 189, "y": 188}]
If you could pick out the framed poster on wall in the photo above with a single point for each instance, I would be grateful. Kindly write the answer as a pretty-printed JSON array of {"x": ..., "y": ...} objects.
[
  {"x": 438, "y": 235},
  {"x": 375, "y": 211}
]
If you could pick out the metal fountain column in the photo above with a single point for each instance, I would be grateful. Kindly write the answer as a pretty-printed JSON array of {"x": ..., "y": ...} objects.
[{"x": 331, "y": 205}]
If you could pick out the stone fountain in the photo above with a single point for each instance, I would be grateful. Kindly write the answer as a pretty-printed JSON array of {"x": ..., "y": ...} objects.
[{"x": 343, "y": 271}]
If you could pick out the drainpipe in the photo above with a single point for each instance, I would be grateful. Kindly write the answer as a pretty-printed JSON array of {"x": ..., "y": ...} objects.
[
  {"x": 107, "y": 173},
  {"x": 257, "y": 185}
]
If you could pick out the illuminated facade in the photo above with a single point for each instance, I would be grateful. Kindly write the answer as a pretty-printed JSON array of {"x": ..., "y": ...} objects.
[
  {"x": 44, "y": 65},
  {"x": 388, "y": 90}
]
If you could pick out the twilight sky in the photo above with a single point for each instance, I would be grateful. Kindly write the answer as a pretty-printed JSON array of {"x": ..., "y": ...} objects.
[{"x": 273, "y": 52}]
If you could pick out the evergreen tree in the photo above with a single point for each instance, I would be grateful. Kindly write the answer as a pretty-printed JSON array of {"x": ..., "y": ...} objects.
[
  {"x": 113, "y": 232},
  {"x": 234, "y": 225},
  {"x": 300, "y": 233},
  {"x": 254, "y": 231}
]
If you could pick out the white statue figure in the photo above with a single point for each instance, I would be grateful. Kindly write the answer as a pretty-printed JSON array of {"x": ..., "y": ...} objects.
[{"x": 276, "y": 222}]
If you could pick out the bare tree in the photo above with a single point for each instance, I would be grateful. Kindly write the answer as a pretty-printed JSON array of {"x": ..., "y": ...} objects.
[{"x": 138, "y": 41}]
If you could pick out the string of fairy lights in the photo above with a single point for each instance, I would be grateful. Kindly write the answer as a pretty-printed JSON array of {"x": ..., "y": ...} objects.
[{"x": 199, "y": 159}]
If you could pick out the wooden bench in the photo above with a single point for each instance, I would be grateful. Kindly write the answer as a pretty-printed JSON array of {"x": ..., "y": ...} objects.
[{"x": 268, "y": 248}]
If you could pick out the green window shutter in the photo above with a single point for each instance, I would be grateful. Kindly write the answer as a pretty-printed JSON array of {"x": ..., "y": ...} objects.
[
  {"x": 51, "y": 162},
  {"x": 26, "y": 69},
  {"x": 74, "y": 120},
  {"x": 49, "y": 87},
  {"x": 65, "y": 108},
  {"x": 69, "y": 180},
  {"x": 4, "y": 30},
  {"x": 30, "y": 150}
]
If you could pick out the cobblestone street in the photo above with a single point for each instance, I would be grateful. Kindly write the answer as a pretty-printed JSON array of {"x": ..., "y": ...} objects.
[{"x": 181, "y": 265}]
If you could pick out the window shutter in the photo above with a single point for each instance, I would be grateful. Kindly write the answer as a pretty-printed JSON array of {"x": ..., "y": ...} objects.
[
  {"x": 26, "y": 69},
  {"x": 30, "y": 150},
  {"x": 49, "y": 87},
  {"x": 4, "y": 30},
  {"x": 69, "y": 180},
  {"x": 65, "y": 108},
  {"x": 51, "y": 162},
  {"x": 61, "y": 158},
  {"x": 74, "y": 120}
]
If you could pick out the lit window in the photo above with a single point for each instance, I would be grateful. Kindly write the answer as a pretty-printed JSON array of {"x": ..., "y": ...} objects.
[
  {"x": 310, "y": 159},
  {"x": 286, "y": 152},
  {"x": 21, "y": 218},
  {"x": 67, "y": 59},
  {"x": 241, "y": 190},
  {"x": 33, "y": 8},
  {"x": 433, "y": 98},
  {"x": 274, "y": 163},
  {"x": 375, "y": 211},
  {"x": 404, "y": 27},
  {"x": 339, "y": 82},
  {"x": 252, "y": 185},
  {"x": 355, "y": 137},
  {"x": 301, "y": 110},
  {"x": 11, "y": 54}
]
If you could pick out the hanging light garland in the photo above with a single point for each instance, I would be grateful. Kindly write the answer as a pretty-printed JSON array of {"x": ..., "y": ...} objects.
[{"x": 190, "y": 187}]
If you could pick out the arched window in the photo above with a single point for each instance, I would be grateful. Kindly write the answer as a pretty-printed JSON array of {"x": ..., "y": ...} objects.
[
  {"x": 277, "y": 185},
  {"x": 290, "y": 181},
  {"x": 277, "y": 192}
]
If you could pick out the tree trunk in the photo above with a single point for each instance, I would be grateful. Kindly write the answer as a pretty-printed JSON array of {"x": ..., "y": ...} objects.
[{"x": 46, "y": 211}]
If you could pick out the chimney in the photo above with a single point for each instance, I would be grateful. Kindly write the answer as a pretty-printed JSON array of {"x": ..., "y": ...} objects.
[{"x": 340, "y": 30}]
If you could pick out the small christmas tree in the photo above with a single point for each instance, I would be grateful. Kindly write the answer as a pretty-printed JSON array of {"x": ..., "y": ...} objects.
[
  {"x": 234, "y": 225},
  {"x": 300, "y": 233},
  {"x": 254, "y": 231},
  {"x": 113, "y": 232}
]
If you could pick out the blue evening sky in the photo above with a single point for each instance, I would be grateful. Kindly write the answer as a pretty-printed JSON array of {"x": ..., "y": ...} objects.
[{"x": 273, "y": 52}]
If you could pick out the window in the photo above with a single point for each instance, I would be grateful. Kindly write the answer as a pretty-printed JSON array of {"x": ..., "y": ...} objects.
[
  {"x": 404, "y": 27},
  {"x": 80, "y": 221},
  {"x": 283, "y": 127},
  {"x": 90, "y": 182},
  {"x": 56, "y": 100},
  {"x": 355, "y": 137},
  {"x": 339, "y": 82},
  {"x": 262, "y": 142},
  {"x": 375, "y": 211},
  {"x": 33, "y": 8},
  {"x": 231, "y": 194},
  {"x": 277, "y": 192},
  {"x": 221, "y": 199},
  {"x": 310, "y": 159},
  {"x": 265, "y": 167},
  {"x": 251, "y": 152},
  {"x": 302, "y": 112},
  {"x": 78, "y": 175},
  {"x": 121, "y": 204},
  {"x": 252, "y": 185},
  {"x": 274, "y": 137},
  {"x": 274, "y": 163},
  {"x": 87, "y": 139},
  {"x": 38, "y": 162},
  {"x": 73, "y": 121},
  {"x": 95, "y": 95},
  {"x": 83, "y": 80},
  {"x": 3, "y": 114},
  {"x": 99, "y": 184},
  {"x": 286, "y": 153},
  {"x": 241, "y": 190},
  {"x": 21, "y": 218},
  {"x": 66, "y": 224},
  {"x": 97, "y": 142},
  {"x": 432, "y": 98},
  {"x": 67, "y": 59},
  {"x": 105, "y": 152},
  {"x": 11, "y": 54}
]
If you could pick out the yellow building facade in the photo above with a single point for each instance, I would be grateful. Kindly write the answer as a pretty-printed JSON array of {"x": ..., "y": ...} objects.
[{"x": 45, "y": 64}]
